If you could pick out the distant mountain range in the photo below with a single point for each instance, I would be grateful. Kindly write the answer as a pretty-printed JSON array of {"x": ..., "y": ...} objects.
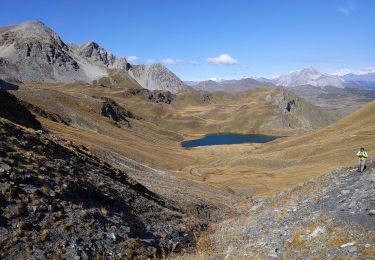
[
  {"x": 32, "y": 52},
  {"x": 305, "y": 77}
]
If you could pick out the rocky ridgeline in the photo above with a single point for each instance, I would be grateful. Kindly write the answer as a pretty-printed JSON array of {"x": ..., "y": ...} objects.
[
  {"x": 331, "y": 217},
  {"x": 32, "y": 52}
]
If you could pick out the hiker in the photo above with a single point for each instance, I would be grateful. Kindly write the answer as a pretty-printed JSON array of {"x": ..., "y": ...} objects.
[{"x": 362, "y": 156}]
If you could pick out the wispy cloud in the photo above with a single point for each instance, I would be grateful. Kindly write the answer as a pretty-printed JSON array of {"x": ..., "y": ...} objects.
[
  {"x": 194, "y": 62},
  {"x": 341, "y": 72},
  {"x": 132, "y": 58},
  {"x": 344, "y": 71},
  {"x": 222, "y": 59},
  {"x": 170, "y": 61},
  {"x": 347, "y": 8},
  {"x": 150, "y": 61}
]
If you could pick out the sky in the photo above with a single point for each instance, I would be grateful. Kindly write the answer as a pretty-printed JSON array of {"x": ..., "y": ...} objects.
[{"x": 221, "y": 39}]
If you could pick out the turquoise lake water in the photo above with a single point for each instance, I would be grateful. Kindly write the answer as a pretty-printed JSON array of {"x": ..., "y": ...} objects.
[{"x": 227, "y": 138}]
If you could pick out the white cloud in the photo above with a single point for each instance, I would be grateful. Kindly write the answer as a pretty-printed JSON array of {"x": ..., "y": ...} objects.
[
  {"x": 150, "y": 61},
  {"x": 132, "y": 58},
  {"x": 170, "y": 61},
  {"x": 347, "y": 9},
  {"x": 367, "y": 70},
  {"x": 194, "y": 62},
  {"x": 341, "y": 72},
  {"x": 222, "y": 59}
]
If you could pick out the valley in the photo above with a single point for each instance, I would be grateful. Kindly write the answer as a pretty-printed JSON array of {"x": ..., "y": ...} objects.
[{"x": 91, "y": 146}]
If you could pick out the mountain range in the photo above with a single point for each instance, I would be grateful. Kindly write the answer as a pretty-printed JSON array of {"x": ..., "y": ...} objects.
[
  {"x": 32, "y": 52},
  {"x": 307, "y": 76}
]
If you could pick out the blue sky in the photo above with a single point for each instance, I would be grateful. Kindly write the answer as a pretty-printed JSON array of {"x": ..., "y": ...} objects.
[{"x": 259, "y": 37}]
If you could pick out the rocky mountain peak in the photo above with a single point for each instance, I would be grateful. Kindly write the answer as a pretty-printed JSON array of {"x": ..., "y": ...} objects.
[
  {"x": 97, "y": 54},
  {"x": 31, "y": 51},
  {"x": 156, "y": 77},
  {"x": 30, "y": 31},
  {"x": 310, "y": 70}
]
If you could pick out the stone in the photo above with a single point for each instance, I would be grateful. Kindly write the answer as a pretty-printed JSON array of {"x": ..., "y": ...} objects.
[
  {"x": 4, "y": 167},
  {"x": 112, "y": 236},
  {"x": 347, "y": 244},
  {"x": 318, "y": 231},
  {"x": 345, "y": 192},
  {"x": 352, "y": 249}
]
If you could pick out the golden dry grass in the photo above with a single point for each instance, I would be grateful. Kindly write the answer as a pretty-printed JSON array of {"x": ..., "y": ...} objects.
[{"x": 247, "y": 168}]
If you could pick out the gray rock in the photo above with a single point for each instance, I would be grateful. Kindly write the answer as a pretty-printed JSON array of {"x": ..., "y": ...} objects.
[
  {"x": 345, "y": 192},
  {"x": 4, "y": 167},
  {"x": 352, "y": 249}
]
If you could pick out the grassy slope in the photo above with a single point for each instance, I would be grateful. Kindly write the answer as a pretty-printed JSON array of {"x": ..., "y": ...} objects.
[
  {"x": 263, "y": 169},
  {"x": 284, "y": 163}
]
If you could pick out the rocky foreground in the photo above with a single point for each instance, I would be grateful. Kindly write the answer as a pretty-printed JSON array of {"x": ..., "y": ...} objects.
[
  {"x": 58, "y": 201},
  {"x": 331, "y": 217}
]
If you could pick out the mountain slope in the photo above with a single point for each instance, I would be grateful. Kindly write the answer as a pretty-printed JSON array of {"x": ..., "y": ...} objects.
[
  {"x": 366, "y": 80},
  {"x": 289, "y": 161},
  {"x": 342, "y": 101},
  {"x": 231, "y": 86},
  {"x": 328, "y": 217},
  {"x": 31, "y": 51},
  {"x": 156, "y": 77},
  {"x": 58, "y": 200}
]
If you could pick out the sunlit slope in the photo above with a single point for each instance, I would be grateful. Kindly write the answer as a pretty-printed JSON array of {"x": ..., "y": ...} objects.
[{"x": 286, "y": 162}]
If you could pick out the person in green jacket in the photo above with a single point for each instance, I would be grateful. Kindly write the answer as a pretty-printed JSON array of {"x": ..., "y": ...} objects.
[{"x": 362, "y": 156}]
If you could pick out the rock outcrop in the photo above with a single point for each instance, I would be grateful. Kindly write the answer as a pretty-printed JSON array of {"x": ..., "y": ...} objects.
[{"x": 115, "y": 112}]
